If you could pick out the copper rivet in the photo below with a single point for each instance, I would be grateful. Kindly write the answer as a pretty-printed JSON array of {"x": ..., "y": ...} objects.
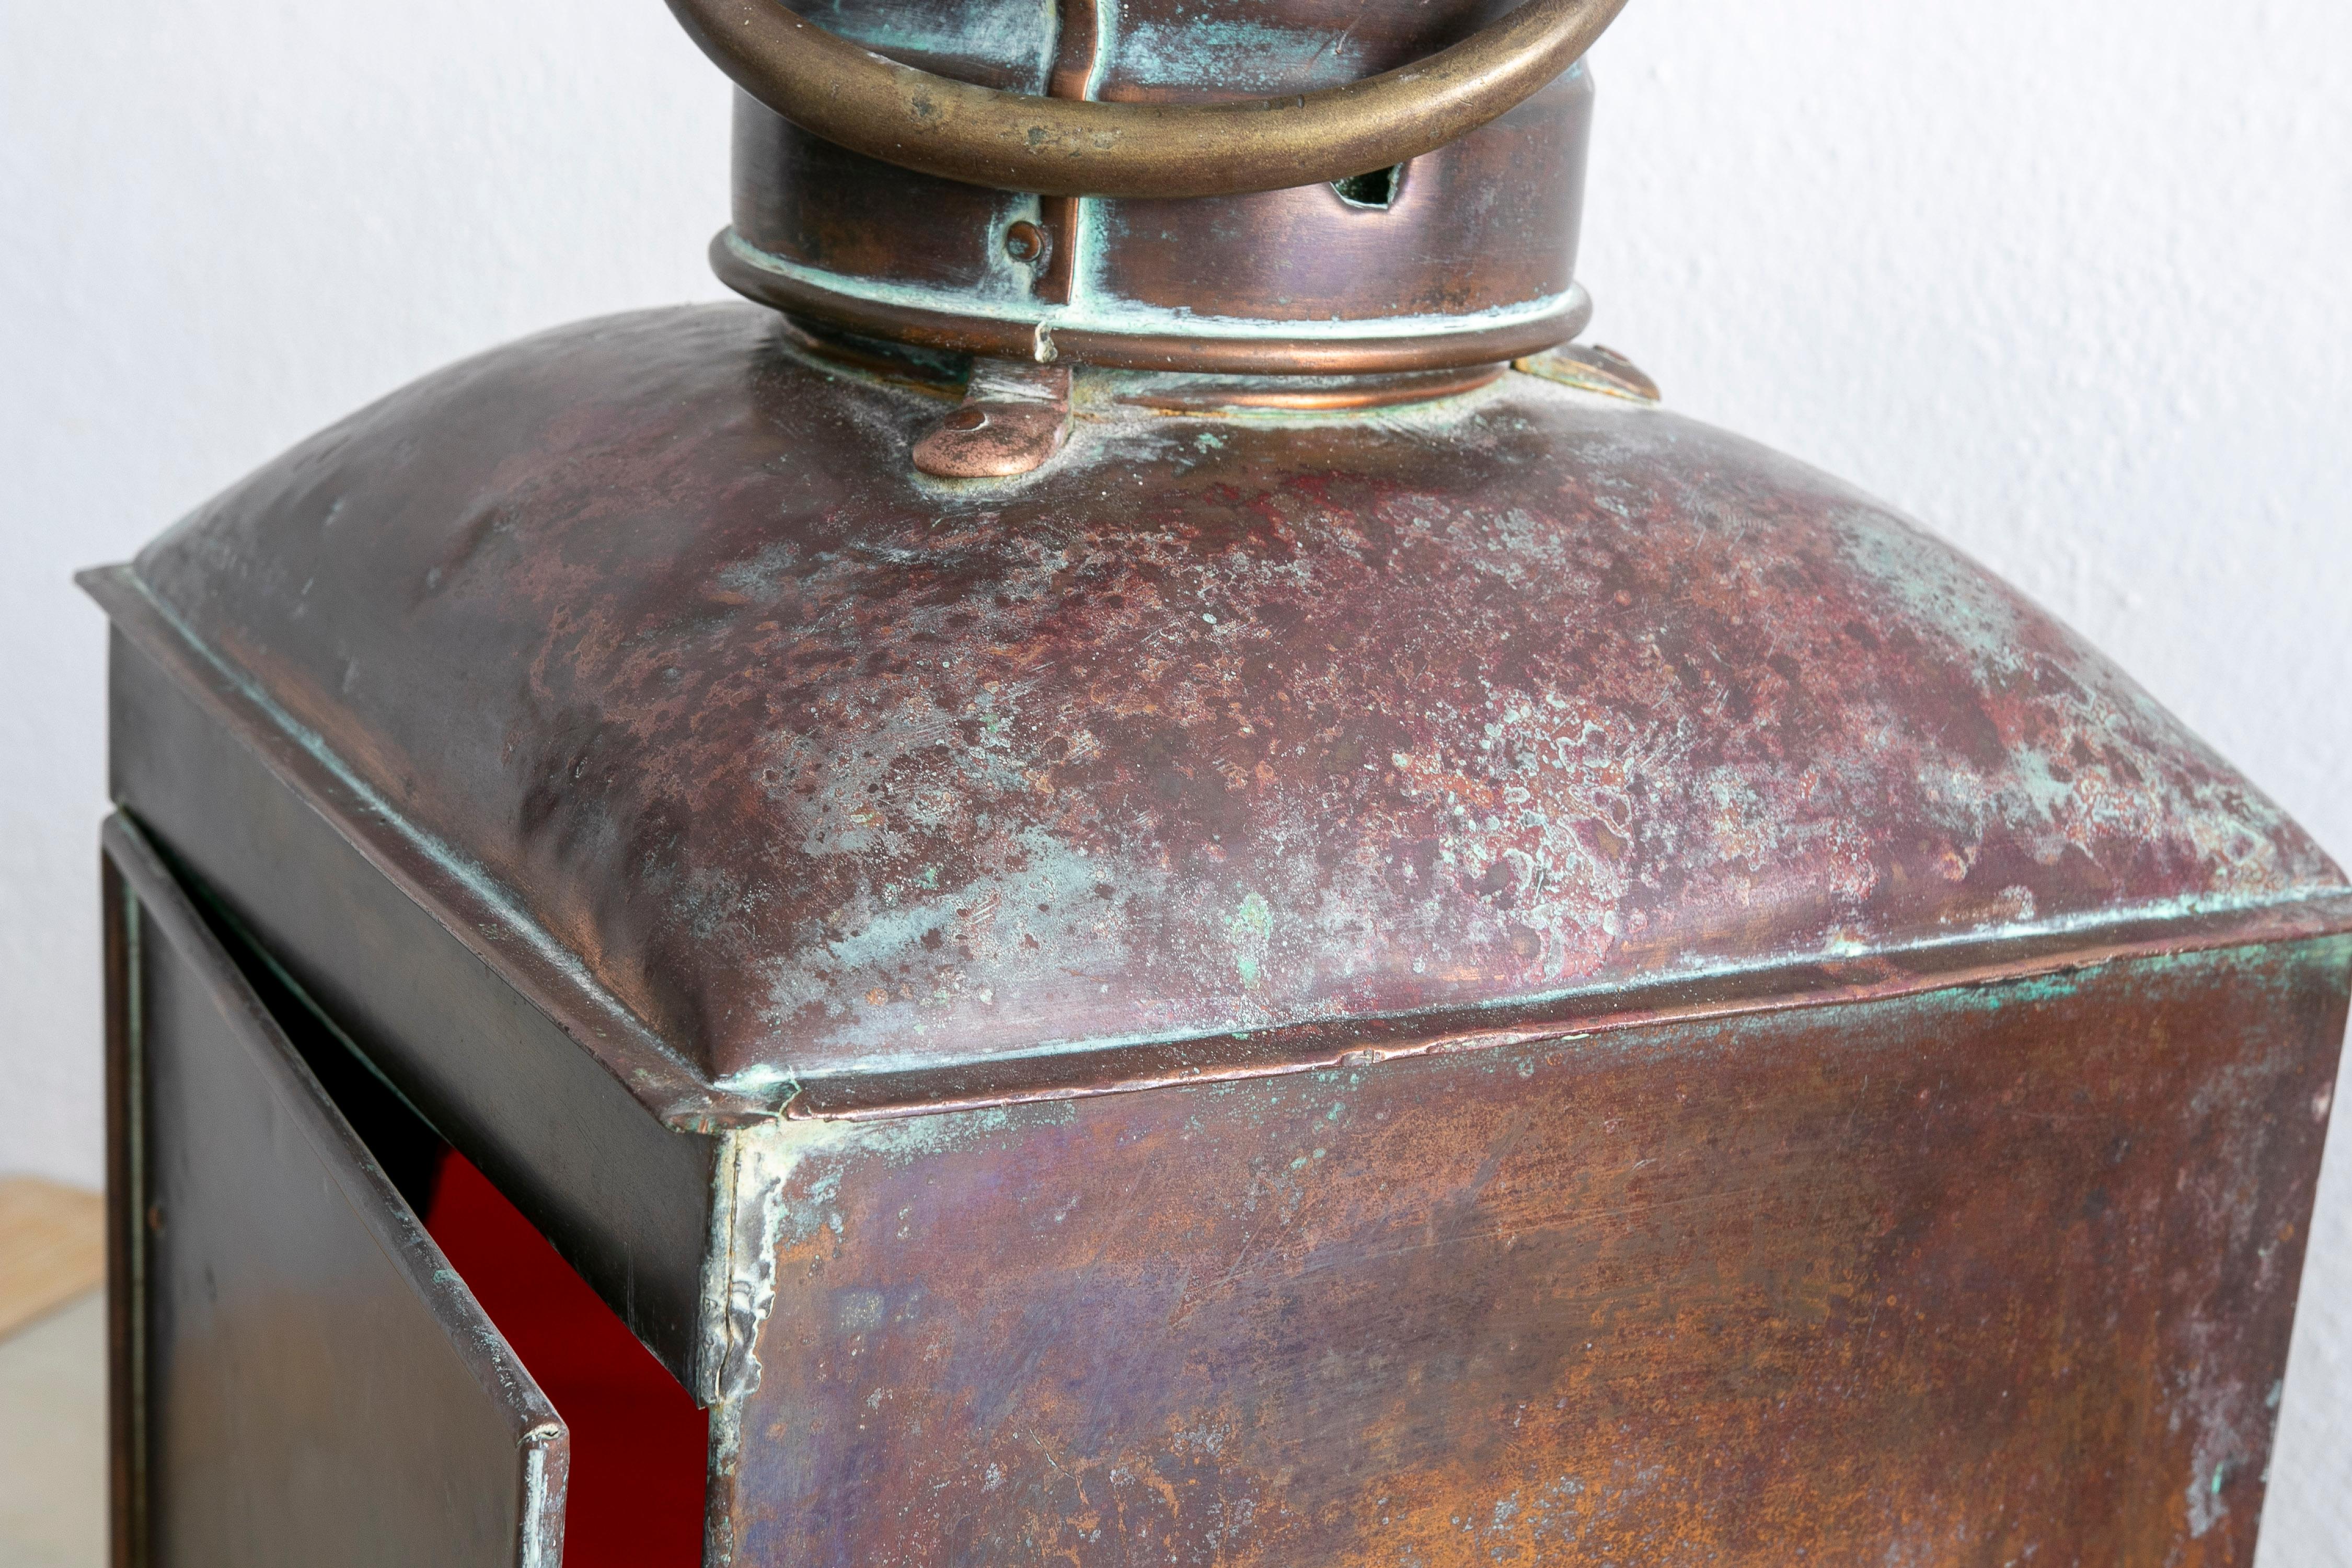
[
  {"x": 1024, "y": 241},
  {"x": 965, "y": 419}
]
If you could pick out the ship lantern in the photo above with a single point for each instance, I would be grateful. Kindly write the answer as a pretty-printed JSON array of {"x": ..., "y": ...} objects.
[{"x": 1135, "y": 871}]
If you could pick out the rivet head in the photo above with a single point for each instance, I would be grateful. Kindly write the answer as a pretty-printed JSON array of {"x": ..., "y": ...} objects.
[
  {"x": 965, "y": 419},
  {"x": 1024, "y": 241}
]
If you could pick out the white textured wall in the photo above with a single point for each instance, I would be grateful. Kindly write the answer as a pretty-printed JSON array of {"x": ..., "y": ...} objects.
[{"x": 2070, "y": 281}]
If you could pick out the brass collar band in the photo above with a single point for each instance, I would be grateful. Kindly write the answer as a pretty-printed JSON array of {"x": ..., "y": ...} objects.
[{"x": 1151, "y": 340}]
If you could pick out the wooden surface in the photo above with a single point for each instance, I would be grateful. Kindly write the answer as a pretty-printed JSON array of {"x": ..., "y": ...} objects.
[
  {"x": 53, "y": 1439},
  {"x": 52, "y": 1248}
]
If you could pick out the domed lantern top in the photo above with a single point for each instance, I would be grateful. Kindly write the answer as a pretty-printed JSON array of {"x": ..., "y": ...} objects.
[{"x": 1249, "y": 740}]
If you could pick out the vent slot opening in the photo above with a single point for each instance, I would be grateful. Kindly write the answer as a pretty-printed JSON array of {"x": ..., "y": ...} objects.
[{"x": 1376, "y": 190}]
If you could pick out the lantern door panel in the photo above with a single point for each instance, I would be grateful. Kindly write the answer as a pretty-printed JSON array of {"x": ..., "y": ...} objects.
[{"x": 299, "y": 1376}]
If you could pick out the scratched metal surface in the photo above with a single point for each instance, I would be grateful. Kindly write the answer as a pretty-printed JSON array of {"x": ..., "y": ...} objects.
[
  {"x": 1982, "y": 1277},
  {"x": 1214, "y": 725}
]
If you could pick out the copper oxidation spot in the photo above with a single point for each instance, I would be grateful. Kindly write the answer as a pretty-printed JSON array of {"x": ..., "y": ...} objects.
[{"x": 1029, "y": 244}]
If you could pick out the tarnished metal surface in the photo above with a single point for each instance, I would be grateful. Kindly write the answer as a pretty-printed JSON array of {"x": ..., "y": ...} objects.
[
  {"x": 1213, "y": 725},
  {"x": 571, "y": 1105},
  {"x": 1590, "y": 367},
  {"x": 1076, "y": 146},
  {"x": 1463, "y": 255},
  {"x": 1245, "y": 967},
  {"x": 1013, "y": 417},
  {"x": 306, "y": 1378},
  {"x": 1995, "y": 1274}
]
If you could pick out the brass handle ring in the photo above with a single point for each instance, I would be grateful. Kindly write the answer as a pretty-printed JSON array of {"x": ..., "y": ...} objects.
[{"x": 1082, "y": 147}]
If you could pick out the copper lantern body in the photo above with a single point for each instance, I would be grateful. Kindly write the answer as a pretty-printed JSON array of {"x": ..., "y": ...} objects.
[{"x": 1145, "y": 882}]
